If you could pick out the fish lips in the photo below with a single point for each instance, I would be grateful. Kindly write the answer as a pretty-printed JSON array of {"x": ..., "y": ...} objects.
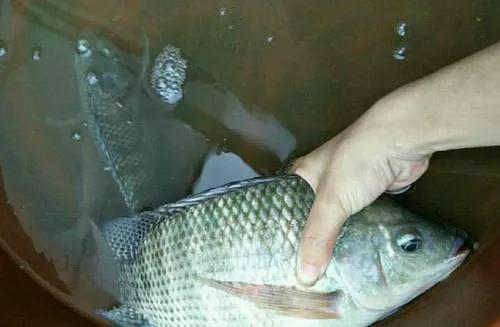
[{"x": 461, "y": 246}]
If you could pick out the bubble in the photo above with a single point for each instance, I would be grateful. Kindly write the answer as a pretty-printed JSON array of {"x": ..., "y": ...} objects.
[
  {"x": 168, "y": 74},
  {"x": 169, "y": 66},
  {"x": 83, "y": 48},
  {"x": 92, "y": 78},
  {"x": 402, "y": 28},
  {"x": 161, "y": 83},
  {"x": 400, "y": 53},
  {"x": 76, "y": 136},
  {"x": 4, "y": 49},
  {"x": 106, "y": 52},
  {"x": 104, "y": 48},
  {"x": 85, "y": 124},
  {"x": 36, "y": 54}
]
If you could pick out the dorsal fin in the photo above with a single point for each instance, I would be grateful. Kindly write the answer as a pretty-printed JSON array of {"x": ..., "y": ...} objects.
[
  {"x": 173, "y": 208},
  {"x": 124, "y": 235}
]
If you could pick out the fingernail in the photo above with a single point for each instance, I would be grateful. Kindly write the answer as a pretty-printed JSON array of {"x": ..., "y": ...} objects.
[
  {"x": 308, "y": 274},
  {"x": 399, "y": 190}
]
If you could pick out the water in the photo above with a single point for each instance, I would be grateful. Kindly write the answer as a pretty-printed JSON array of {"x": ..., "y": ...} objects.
[{"x": 265, "y": 81}]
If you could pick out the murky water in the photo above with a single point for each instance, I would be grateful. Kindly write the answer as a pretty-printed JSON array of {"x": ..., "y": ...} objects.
[{"x": 265, "y": 81}]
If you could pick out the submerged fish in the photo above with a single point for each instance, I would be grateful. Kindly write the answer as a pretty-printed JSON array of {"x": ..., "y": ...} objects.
[
  {"x": 227, "y": 256},
  {"x": 106, "y": 88}
]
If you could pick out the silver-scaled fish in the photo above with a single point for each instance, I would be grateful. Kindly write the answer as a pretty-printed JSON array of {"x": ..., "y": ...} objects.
[{"x": 227, "y": 257}]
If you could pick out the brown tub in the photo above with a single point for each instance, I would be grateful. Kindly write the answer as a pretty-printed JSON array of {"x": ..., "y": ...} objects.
[{"x": 461, "y": 187}]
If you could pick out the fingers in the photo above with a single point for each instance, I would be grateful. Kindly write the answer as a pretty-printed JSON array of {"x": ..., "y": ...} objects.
[
  {"x": 324, "y": 221},
  {"x": 312, "y": 166},
  {"x": 408, "y": 174},
  {"x": 318, "y": 239}
]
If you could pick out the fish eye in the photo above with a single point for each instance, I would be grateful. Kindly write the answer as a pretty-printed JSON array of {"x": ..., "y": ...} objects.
[{"x": 409, "y": 242}]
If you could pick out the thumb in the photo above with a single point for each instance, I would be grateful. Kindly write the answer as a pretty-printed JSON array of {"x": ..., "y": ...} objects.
[{"x": 320, "y": 232}]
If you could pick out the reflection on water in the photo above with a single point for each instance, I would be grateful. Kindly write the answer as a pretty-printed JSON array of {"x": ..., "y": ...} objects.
[
  {"x": 84, "y": 136},
  {"x": 225, "y": 109}
]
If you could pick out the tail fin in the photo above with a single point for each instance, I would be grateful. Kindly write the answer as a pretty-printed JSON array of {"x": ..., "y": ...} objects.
[
  {"x": 104, "y": 267},
  {"x": 116, "y": 245}
]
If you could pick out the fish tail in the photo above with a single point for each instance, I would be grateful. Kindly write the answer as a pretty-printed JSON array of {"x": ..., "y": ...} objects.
[{"x": 103, "y": 265}]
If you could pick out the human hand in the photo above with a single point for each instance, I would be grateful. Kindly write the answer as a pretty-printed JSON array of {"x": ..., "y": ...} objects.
[
  {"x": 348, "y": 173},
  {"x": 389, "y": 147}
]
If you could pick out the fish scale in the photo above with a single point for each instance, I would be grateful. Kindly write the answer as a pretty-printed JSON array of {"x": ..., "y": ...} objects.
[{"x": 227, "y": 257}]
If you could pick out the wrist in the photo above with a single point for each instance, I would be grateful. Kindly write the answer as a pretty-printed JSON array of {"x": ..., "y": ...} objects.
[
  {"x": 453, "y": 108},
  {"x": 397, "y": 123}
]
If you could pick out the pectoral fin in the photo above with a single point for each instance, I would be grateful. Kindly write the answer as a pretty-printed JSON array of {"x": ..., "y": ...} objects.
[{"x": 286, "y": 301}]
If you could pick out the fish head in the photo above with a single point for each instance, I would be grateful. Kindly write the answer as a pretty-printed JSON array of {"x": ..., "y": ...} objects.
[{"x": 388, "y": 256}]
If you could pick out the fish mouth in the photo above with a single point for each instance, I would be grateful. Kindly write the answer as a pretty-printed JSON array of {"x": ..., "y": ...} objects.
[{"x": 461, "y": 245}]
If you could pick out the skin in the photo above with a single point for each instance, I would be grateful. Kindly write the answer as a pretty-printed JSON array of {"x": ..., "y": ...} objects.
[{"x": 389, "y": 147}]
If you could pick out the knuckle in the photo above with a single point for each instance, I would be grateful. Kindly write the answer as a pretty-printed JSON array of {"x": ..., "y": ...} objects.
[
  {"x": 317, "y": 243},
  {"x": 297, "y": 165}
]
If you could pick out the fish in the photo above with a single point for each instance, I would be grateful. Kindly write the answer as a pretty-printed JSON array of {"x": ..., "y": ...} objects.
[
  {"x": 227, "y": 257},
  {"x": 106, "y": 89}
]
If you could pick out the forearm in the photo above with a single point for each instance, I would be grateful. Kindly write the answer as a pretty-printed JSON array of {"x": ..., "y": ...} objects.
[
  {"x": 389, "y": 147},
  {"x": 456, "y": 107}
]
